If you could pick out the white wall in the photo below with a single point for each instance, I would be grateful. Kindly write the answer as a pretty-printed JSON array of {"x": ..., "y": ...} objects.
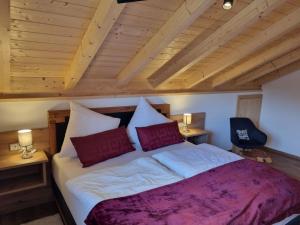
[
  {"x": 218, "y": 107},
  {"x": 280, "y": 116}
]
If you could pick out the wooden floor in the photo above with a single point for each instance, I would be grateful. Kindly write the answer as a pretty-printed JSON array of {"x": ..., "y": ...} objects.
[
  {"x": 290, "y": 166},
  {"x": 286, "y": 164}
]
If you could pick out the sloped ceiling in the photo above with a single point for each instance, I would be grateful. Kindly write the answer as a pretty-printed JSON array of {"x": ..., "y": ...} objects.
[{"x": 99, "y": 47}]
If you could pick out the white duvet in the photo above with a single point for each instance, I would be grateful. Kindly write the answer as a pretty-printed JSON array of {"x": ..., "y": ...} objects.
[
  {"x": 142, "y": 174},
  {"x": 134, "y": 177},
  {"x": 192, "y": 160}
]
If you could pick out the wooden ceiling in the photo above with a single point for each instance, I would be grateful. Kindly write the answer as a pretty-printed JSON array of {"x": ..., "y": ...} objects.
[{"x": 99, "y": 47}]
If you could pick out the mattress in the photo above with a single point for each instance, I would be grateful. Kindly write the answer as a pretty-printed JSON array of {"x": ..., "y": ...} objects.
[{"x": 65, "y": 169}]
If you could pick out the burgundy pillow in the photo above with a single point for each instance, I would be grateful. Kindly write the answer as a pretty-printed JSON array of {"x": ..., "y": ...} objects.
[
  {"x": 99, "y": 147},
  {"x": 160, "y": 135}
]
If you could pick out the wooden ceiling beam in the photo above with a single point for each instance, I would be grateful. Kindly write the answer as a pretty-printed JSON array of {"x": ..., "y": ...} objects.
[
  {"x": 185, "y": 15},
  {"x": 270, "y": 67},
  {"x": 287, "y": 45},
  {"x": 278, "y": 29},
  {"x": 295, "y": 66},
  {"x": 105, "y": 17},
  {"x": 200, "y": 49},
  {"x": 291, "y": 43},
  {"x": 4, "y": 46}
]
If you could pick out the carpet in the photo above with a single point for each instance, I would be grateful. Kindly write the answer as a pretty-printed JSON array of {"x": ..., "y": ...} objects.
[{"x": 50, "y": 220}]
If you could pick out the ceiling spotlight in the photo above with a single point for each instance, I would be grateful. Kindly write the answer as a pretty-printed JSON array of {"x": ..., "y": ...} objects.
[{"x": 227, "y": 4}]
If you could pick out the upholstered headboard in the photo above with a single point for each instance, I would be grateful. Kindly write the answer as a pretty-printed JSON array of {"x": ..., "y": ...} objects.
[{"x": 58, "y": 121}]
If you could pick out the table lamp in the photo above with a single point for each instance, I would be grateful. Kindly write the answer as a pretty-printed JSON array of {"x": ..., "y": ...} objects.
[
  {"x": 25, "y": 141},
  {"x": 187, "y": 120}
]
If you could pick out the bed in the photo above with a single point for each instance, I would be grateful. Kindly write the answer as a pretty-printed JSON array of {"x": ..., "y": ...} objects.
[
  {"x": 57, "y": 123},
  {"x": 62, "y": 175},
  {"x": 68, "y": 170}
]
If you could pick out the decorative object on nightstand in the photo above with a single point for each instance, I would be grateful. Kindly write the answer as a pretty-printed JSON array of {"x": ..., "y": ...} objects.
[
  {"x": 25, "y": 142},
  {"x": 195, "y": 135},
  {"x": 187, "y": 120}
]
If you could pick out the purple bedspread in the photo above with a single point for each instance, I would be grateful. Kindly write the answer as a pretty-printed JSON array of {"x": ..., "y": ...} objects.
[{"x": 239, "y": 193}]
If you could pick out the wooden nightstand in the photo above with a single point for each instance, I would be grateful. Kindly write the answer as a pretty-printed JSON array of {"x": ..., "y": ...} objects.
[
  {"x": 23, "y": 182},
  {"x": 196, "y": 136}
]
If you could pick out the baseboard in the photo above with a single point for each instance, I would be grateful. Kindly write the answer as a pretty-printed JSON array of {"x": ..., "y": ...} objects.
[{"x": 282, "y": 153}]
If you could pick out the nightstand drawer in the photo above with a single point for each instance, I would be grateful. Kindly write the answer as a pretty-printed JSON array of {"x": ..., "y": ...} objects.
[
  {"x": 25, "y": 199},
  {"x": 24, "y": 182},
  {"x": 197, "y": 140},
  {"x": 196, "y": 136},
  {"x": 22, "y": 178}
]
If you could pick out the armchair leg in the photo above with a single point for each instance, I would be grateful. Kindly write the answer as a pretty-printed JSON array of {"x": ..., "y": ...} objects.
[
  {"x": 268, "y": 160},
  {"x": 260, "y": 159},
  {"x": 239, "y": 151}
]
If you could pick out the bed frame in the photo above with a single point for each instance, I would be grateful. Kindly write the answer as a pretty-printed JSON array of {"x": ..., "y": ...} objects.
[{"x": 58, "y": 122}]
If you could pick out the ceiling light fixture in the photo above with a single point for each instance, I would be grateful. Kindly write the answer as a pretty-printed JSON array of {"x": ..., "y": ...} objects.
[{"x": 227, "y": 4}]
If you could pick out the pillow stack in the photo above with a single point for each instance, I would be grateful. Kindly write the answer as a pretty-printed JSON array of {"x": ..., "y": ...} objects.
[
  {"x": 160, "y": 135},
  {"x": 144, "y": 115},
  {"x": 94, "y": 137},
  {"x": 84, "y": 122},
  {"x": 102, "y": 146}
]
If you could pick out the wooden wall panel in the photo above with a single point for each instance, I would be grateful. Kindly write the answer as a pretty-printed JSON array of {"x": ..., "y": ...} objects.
[
  {"x": 45, "y": 35},
  {"x": 137, "y": 24},
  {"x": 4, "y": 45},
  {"x": 198, "y": 120},
  {"x": 55, "y": 7},
  {"x": 40, "y": 140},
  {"x": 237, "y": 47}
]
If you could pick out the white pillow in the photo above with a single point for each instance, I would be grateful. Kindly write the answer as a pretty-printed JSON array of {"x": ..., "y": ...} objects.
[
  {"x": 84, "y": 122},
  {"x": 144, "y": 115}
]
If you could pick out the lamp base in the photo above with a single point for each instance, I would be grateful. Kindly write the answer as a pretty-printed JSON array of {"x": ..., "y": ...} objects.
[
  {"x": 186, "y": 129},
  {"x": 26, "y": 153}
]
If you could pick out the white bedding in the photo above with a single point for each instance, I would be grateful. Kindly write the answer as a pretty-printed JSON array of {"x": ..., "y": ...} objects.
[
  {"x": 134, "y": 177},
  {"x": 66, "y": 168},
  {"x": 191, "y": 160},
  {"x": 203, "y": 157}
]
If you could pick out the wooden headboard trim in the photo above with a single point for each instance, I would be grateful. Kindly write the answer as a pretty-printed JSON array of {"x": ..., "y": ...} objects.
[{"x": 59, "y": 116}]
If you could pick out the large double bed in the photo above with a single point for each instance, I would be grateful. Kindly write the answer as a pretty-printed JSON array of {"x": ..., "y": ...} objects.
[{"x": 135, "y": 172}]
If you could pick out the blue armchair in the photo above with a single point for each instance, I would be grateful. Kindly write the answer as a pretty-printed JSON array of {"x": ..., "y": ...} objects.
[{"x": 245, "y": 135}]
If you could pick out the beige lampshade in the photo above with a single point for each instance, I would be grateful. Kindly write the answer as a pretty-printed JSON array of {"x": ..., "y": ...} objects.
[
  {"x": 187, "y": 118},
  {"x": 25, "y": 137}
]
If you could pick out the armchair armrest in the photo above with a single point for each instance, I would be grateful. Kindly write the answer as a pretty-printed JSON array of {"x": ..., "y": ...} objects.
[{"x": 259, "y": 136}]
